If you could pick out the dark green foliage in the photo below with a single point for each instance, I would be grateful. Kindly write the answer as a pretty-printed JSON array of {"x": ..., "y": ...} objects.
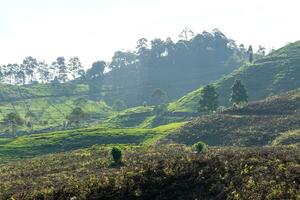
[
  {"x": 116, "y": 154},
  {"x": 200, "y": 146},
  {"x": 209, "y": 99},
  {"x": 239, "y": 94},
  {"x": 174, "y": 67}
]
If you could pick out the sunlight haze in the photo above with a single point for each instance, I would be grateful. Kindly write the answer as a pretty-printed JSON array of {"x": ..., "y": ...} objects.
[{"x": 94, "y": 30}]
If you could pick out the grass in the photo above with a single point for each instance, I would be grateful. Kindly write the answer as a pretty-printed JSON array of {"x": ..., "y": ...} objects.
[
  {"x": 39, "y": 144},
  {"x": 288, "y": 138},
  {"x": 167, "y": 172}
]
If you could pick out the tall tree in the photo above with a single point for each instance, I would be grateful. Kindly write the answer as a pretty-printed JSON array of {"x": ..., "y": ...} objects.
[
  {"x": 186, "y": 34},
  {"x": 250, "y": 53},
  {"x": 62, "y": 69},
  {"x": 239, "y": 93},
  {"x": 75, "y": 67},
  {"x": 97, "y": 70},
  {"x": 13, "y": 120},
  {"x": 94, "y": 77},
  {"x": 209, "y": 99},
  {"x": 44, "y": 72},
  {"x": 29, "y": 64}
]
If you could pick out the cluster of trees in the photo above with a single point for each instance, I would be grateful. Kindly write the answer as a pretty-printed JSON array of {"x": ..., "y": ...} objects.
[
  {"x": 209, "y": 98},
  {"x": 33, "y": 71}
]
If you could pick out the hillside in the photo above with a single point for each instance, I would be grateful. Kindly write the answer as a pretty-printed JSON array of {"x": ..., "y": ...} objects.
[
  {"x": 257, "y": 124},
  {"x": 170, "y": 172},
  {"x": 29, "y": 146},
  {"x": 275, "y": 73}
]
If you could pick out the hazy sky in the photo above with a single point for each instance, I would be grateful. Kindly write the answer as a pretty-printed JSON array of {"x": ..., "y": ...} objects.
[{"x": 94, "y": 29}]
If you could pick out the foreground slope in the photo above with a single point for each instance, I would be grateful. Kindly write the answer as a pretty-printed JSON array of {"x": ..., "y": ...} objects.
[
  {"x": 256, "y": 124},
  {"x": 276, "y": 73},
  {"x": 171, "y": 172}
]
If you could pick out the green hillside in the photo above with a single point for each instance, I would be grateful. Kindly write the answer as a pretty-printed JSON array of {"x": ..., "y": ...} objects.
[
  {"x": 61, "y": 141},
  {"x": 257, "y": 124},
  {"x": 276, "y": 73}
]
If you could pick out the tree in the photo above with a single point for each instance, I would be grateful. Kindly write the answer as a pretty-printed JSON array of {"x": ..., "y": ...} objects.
[
  {"x": 261, "y": 52},
  {"x": 250, "y": 53},
  {"x": 44, "y": 72},
  {"x": 29, "y": 65},
  {"x": 13, "y": 120},
  {"x": 97, "y": 70},
  {"x": 76, "y": 116},
  {"x": 200, "y": 146},
  {"x": 186, "y": 34},
  {"x": 209, "y": 99},
  {"x": 60, "y": 67},
  {"x": 122, "y": 59},
  {"x": 75, "y": 67},
  {"x": 116, "y": 154},
  {"x": 159, "y": 96},
  {"x": 239, "y": 94},
  {"x": 31, "y": 117}
]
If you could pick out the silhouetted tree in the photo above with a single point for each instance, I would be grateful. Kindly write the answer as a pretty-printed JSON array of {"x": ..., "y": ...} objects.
[
  {"x": 239, "y": 94},
  {"x": 209, "y": 99},
  {"x": 159, "y": 96},
  {"x": 250, "y": 53}
]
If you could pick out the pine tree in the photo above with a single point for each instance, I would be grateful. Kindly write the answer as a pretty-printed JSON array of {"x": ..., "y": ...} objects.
[
  {"x": 209, "y": 99},
  {"x": 239, "y": 93}
]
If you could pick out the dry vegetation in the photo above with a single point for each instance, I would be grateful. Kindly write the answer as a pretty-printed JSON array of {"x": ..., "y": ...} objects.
[{"x": 169, "y": 172}]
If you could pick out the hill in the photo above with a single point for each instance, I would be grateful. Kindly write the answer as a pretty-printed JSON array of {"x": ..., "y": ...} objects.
[
  {"x": 275, "y": 73},
  {"x": 256, "y": 124},
  {"x": 169, "y": 172},
  {"x": 60, "y": 141}
]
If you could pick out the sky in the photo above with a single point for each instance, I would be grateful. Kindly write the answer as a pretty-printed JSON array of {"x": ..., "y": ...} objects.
[{"x": 95, "y": 29}]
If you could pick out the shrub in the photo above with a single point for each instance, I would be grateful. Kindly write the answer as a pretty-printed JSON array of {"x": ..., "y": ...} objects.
[
  {"x": 116, "y": 154},
  {"x": 200, "y": 146}
]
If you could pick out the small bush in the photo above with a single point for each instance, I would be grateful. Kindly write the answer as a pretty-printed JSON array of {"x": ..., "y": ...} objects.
[
  {"x": 116, "y": 154},
  {"x": 200, "y": 146}
]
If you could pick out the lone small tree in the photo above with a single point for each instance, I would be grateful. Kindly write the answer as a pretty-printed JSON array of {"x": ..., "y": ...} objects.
[
  {"x": 250, "y": 53},
  {"x": 76, "y": 116},
  {"x": 116, "y": 154},
  {"x": 13, "y": 120},
  {"x": 159, "y": 96},
  {"x": 209, "y": 99},
  {"x": 239, "y": 93},
  {"x": 200, "y": 146}
]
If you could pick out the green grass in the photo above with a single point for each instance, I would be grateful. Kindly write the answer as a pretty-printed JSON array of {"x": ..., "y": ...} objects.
[
  {"x": 288, "y": 138},
  {"x": 61, "y": 141}
]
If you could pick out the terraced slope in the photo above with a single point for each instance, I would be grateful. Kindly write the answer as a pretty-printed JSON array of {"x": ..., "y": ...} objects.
[{"x": 257, "y": 124}]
